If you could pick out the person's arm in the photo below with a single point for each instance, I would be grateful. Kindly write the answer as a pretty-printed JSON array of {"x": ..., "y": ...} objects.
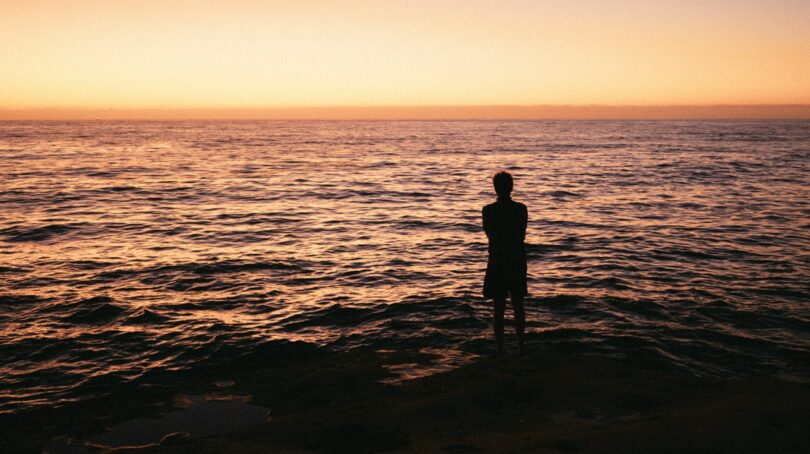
[
  {"x": 486, "y": 223},
  {"x": 524, "y": 221}
]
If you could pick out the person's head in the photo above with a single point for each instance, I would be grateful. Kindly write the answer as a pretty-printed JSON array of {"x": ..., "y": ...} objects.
[{"x": 503, "y": 183}]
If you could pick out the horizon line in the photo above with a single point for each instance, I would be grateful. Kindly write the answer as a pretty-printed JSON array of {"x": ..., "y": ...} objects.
[{"x": 425, "y": 112}]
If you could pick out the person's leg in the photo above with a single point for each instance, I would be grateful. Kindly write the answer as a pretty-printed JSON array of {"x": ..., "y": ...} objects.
[
  {"x": 500, "y": 308},
  {"x": 520, "y": 320}
]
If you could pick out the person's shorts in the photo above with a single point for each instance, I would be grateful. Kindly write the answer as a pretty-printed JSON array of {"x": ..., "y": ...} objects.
[{"x": 504, "y": 278}]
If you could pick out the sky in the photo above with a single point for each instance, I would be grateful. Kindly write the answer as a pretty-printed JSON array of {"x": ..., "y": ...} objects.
[{"x": 166, "y": 54}]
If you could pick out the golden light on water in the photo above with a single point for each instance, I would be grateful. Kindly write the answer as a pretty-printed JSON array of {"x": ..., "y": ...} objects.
[{"x": 217, "y": 54}]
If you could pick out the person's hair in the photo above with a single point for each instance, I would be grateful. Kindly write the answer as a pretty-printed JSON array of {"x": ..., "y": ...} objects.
[{"x": 503, "y": 183}]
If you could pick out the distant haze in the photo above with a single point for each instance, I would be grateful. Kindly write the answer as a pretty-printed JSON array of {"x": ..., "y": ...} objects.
[
  {"x": 217, "y": 56},
  {"x": 425, "y": 113}
]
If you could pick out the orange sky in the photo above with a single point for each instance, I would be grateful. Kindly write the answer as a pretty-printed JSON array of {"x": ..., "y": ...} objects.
[{"x": 114, "y": 54}]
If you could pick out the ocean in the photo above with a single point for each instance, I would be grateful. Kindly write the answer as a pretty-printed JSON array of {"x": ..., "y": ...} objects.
[{"x": 132, "y": 251}]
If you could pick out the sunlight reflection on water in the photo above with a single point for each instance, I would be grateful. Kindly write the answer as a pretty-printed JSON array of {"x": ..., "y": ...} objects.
[{"x": 130, "y": 246}]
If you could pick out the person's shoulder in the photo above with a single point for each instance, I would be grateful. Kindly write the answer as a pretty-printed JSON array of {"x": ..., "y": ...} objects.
[
  {"x": 520, "y": 206},
  {"x": 489, "y": 207}
]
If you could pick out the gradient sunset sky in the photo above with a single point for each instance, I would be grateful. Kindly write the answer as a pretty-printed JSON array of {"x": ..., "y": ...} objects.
[{"x": 239, "y": 53}]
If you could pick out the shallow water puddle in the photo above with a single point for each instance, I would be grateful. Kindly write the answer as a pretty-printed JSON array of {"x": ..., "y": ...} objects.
[{"x": 200, "y": 416}]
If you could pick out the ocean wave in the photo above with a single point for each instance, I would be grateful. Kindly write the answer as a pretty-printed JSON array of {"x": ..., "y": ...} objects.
[
  {"x": 19, "y": 234},
  {"x": 97, "y": 309}
]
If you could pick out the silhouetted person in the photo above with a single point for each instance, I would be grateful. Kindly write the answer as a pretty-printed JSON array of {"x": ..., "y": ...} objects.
[{"x": 505, "y": 226}]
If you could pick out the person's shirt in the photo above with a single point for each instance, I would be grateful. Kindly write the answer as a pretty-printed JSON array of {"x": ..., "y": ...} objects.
[{"x": 505, "y": 225}]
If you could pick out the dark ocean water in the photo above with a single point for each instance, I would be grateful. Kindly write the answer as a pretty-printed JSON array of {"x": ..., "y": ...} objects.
[{"x": 133, "y": 250}]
